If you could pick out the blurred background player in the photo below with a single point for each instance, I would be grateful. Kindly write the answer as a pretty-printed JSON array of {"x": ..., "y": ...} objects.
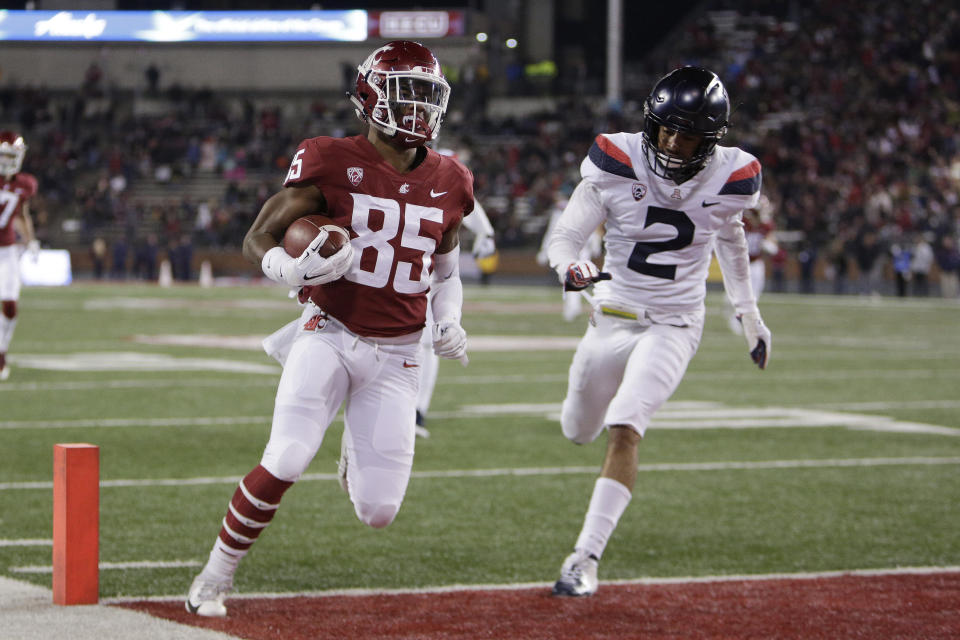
[
  {"x": 16, "y": 189},
  {"x": 668, "y": 197},
  {"x": 760, "y": 230},
  {"x": 591, "y": 251},
  {"x": 356, "y": 343},
  {"x": 484, "y": 247}
]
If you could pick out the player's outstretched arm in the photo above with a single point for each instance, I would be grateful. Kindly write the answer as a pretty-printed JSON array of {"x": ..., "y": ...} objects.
[{"x": 734, "y": 259}]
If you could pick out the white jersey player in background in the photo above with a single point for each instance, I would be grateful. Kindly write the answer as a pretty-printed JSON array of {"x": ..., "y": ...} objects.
[
  {"x": 484, "y": 246},
  {"x": 572, "y": 301},
  {"x": 668, "y": 197}
]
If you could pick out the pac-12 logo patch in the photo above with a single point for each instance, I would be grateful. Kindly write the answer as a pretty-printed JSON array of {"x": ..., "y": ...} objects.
[
  {"x": 355, "y": 175},
  {"x": 639, "y": 190}
]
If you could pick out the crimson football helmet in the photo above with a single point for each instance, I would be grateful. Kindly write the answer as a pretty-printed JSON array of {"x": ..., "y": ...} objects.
[
  {"x": 691, "y": 100},
  {"x": 12, "y": 151},
  {"x": 401, "y": 92}
]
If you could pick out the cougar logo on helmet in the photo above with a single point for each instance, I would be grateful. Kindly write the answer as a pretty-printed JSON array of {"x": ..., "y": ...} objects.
[{"x": 401, "y": 92}]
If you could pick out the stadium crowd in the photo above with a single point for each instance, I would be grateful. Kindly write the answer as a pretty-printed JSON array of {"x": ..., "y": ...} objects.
[{"x": 852, "y": 107}]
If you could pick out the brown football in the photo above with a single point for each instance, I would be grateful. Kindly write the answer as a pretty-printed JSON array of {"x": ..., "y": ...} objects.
[{"x": 301, "y": 233}]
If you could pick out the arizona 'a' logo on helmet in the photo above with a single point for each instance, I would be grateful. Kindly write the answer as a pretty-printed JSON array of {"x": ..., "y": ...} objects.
[
  {"x": 12, "y": 151},
  {"x": 692, "y": 100},
  {"x": 401, "y": 91}
]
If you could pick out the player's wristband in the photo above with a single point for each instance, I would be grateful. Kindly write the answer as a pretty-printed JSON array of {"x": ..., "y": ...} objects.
[{"x": 274, "y": 263}]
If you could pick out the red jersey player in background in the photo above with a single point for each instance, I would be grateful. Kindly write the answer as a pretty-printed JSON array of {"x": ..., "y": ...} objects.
[
  {"x": 356, "y": 342},
  {"x": 16, "y": 189}
]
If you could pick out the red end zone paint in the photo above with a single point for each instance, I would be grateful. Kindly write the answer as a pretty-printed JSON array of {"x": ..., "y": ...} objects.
[{"x": 904, "y": 606}]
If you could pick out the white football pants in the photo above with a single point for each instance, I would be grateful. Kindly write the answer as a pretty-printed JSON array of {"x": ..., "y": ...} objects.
[
  {"x": 10, "y": 272},
  {"x": 326, "y": 367},
  {"x": 622, "y": 372}
]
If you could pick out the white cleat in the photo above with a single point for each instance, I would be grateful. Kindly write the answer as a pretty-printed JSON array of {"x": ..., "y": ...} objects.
[
  {"x": 206, "y": 597},
  {"x": 4, "y": 373},
  {"x": 578, "y": 575}
]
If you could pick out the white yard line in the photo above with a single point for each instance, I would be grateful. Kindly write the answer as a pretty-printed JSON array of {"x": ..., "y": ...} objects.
[
  {"x": 106, "y": 385},
  {"x": 538, "y": 471},
  {"x": 814, "y": 575},
  {"x": 140, "y": 564}
]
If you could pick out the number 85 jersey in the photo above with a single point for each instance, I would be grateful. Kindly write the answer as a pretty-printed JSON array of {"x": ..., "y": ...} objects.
[{"x": 659, "y": 236}]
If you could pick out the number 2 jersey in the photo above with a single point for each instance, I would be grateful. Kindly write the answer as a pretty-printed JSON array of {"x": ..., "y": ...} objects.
[
  {"x": 396, "y": 221},
  {"x": 659, "y": 236},
  {"x": 14, "y": 192}
]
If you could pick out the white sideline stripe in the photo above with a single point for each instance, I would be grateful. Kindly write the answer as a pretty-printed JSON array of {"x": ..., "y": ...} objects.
[
  {"x": 454, "y": 588},
  {"x": 141, "y": 564},
  {"x": 26, "y": 542},
  {"x": 133, "y": 422},
  {"x": 508, "y": 379},
  {"x": 680, "y": 415},
  {"x": 136, "y": 384},
  {"x": 538, "y": 471}
]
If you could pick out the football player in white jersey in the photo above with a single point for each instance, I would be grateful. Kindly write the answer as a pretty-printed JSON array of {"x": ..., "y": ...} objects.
[
  {"x": 484, "y": 246},
  {"x": 668, "y": 197}
]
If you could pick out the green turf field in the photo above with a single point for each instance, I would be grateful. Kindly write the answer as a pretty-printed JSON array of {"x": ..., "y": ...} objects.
[{"x": 845, "y": 454}]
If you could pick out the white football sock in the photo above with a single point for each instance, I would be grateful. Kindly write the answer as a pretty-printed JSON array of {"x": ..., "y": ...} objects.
[
  {"x": 7, "y": 326},
  {"x": 222, "y": 563},
  {"x": 609, "y": 500}
]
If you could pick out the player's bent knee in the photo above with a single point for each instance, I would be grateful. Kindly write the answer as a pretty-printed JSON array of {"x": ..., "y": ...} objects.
[
  {"x": 575, "y": 429},
  {"x": 287, "y": 460},
  {"x": 376, "y": 515}
]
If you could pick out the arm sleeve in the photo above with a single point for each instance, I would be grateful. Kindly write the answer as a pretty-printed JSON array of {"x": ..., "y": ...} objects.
[
  {"x": 734, "y": 259},
  {"x": 477, "y": 222},
  {"x": 583, "y": 214},
  {"x": 446, "y": 289}
]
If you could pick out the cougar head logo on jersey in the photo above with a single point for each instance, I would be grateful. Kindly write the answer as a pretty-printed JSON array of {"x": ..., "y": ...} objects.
[
  {"x": 401, "y": 92},
  {"x": 693, "y": 102},
  {"x": 12, "y": 151},
  {"x": 639, "y": 190},
  {"x": 355, "y": 175}
]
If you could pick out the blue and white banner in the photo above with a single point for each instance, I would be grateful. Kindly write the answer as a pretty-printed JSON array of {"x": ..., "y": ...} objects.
[{"x": 182, "y": 26}]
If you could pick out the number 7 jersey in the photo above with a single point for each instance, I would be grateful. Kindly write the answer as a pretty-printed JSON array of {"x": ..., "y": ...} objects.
[{"x": 659, "y": 236}]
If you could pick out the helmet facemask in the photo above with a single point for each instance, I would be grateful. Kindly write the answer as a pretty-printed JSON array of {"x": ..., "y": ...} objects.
[
  {"x": 672, "y": 167},
  {"x": 12, "y": 152},
  {"x": 405, "y": 104}
]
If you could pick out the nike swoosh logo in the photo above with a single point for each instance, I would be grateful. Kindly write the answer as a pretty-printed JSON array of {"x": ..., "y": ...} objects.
[
  {"x": 436, "y": 195},
  {"x": 407, "y": 365},
  {"x": 312, "y": 277},
  {"x": 709, "y": 204}
]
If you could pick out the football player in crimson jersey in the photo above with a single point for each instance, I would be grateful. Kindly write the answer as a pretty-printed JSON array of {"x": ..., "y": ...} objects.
[
  {"x": 668, "y": 197},
  {"x": 356, "y": 342},
  {"x": 16, "y": 189}
]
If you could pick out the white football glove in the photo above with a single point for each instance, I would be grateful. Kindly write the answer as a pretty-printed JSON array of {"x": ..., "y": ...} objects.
[
  {"x": 450, "y": 340},
  {"x": 758, "y": 338},
  {"x": 484, "y": 247},
  {"x": 33, "y": 248},
  {"x": 310, "y": 268},
  {"x": 580, "y": 275}
]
